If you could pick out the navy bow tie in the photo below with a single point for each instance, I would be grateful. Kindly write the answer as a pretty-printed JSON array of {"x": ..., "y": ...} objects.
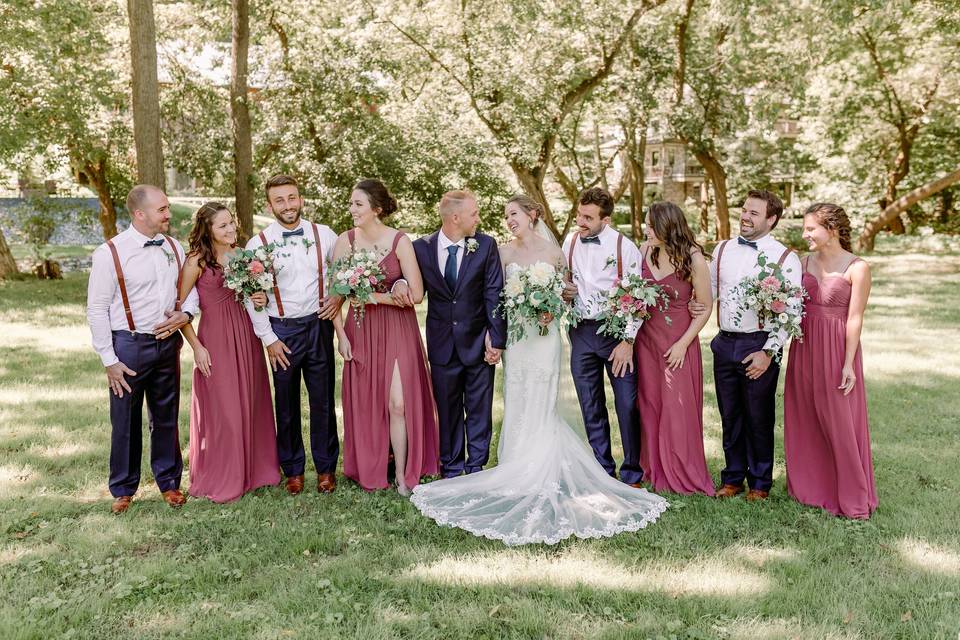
[
  {"x": 153, "y": 243},
  {"x": 749, "y": 243},
  {"x": 295, "y": 232},
  {"x": 590, "y": 239}
]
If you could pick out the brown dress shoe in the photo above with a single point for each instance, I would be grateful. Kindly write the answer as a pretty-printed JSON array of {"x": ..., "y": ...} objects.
[
  {"x": 755, "y": 495},
  {"x": 121, "y": 504},
  {"x": 729, "y": 490},
  {"x": 637, "y": 485},
  {"x": 326, "y": 483},
  {"x": 295, "y": 484},
  {"x": 173, "y": 497}
]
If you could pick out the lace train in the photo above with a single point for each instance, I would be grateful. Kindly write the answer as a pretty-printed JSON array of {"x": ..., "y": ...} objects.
[{"x": 547, "y": 486}]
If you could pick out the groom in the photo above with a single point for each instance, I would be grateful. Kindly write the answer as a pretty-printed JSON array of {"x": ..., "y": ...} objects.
[{"x": 463, "y": 278}]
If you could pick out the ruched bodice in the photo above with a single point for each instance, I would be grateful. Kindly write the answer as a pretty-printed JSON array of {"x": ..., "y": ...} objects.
[{"x": 829, "y": 298}]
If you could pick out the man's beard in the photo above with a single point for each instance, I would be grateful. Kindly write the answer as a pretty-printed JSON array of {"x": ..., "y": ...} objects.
[{"x": 283, "y": 215}]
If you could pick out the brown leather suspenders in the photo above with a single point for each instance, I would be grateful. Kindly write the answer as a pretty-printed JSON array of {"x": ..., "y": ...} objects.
[
  {"x": 573, "y": 244},
  {"x": 276, "y": 285},
  {"x": 123, "y": 285},
  {"x": 720, "y": 248}
]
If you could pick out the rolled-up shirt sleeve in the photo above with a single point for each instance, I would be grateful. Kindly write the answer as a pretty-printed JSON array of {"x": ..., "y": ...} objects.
[
  {"x": 632, "y": 264},
  {"x": 101, "y": 290}
]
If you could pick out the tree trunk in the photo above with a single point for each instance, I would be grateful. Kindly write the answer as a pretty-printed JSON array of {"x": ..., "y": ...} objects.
[
  {"x": 146, "y": 93},
  {"x": 8, "y": 266},
  {"x": 704, "y": 207},
  {"x": 946, "y": 206},
  {"x": 718, "y": 177},
  {"x": 867, "y": 239},
  {"x": 635, "y": 157},
  {"x": 96, "y": 174},
  {"x": 240, "y": 114}
]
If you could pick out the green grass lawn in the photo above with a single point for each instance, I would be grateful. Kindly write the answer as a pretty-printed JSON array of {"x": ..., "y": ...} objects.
[{"x": 357, "y": 565}]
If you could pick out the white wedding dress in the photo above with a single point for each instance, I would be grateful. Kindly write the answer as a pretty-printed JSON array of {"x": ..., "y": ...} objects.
[{"x": 547, "y": 485}]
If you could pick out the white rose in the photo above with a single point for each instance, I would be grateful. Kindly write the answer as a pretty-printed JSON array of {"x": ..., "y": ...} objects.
[
  {"x": 783, "y": 318},
  {"x": 541, "y": 274},
  {"x": 513, "y": 287}
]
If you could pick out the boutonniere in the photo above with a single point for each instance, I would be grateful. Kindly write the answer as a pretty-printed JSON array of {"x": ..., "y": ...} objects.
[
  {"x": 611, "y": 262},
  {"x": 472, "y": 245},
  {"x": 307, "y": 244},
  {"x": 168, "y": 256}
]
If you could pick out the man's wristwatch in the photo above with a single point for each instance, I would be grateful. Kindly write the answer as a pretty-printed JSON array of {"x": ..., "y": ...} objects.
[
  {"x": 189, "y": 316},
  {"x": 772, "y": 353},
  {"x": 630, "y": 341}
]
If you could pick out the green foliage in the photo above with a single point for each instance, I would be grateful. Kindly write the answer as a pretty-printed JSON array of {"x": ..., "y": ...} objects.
[{"x": 36, "y": 220}]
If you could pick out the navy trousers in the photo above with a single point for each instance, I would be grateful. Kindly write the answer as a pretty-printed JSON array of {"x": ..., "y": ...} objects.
[
  {"x": 157, "y": 365},
  {"x": 458, "y": 387},
  {"x": 588, "y": 360},
  {"x": 311, "y": 357},
  {"x": 747, "y": 409}
]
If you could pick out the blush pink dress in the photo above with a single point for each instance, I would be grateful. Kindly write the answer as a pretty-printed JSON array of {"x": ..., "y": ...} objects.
[
  {"x": 826, "y": 435},
  {"x": 671, "y": 402},
  {"x": 387, "y": 336},
  {"x": 233, "y": 442}
]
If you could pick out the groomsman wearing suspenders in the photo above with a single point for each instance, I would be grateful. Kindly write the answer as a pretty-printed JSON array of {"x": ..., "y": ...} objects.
[
  {"x": 744, "y": 369},
  {"x": 297, "y": 330},
  {"x": 135, "y": 316},
  {"x": 597, "y": 254}
]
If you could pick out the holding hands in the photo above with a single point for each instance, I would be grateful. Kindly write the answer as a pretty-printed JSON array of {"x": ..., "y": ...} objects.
[{"x": 491, "y": 354}]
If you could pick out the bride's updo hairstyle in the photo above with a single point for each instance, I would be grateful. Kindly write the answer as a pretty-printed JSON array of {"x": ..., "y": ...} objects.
[
  {"x": 381, "y": 200},
  {"x": 534, "y": 210},
  {"x": 834, "y": 218}
]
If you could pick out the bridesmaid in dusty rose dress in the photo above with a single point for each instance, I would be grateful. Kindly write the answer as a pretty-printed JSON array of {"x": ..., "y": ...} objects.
[
  {"x": 233, "y": 446},
  {"x": 669, "y": 366},
  {"x": 826, "y": 436},
  {"x": 387, "y": 395}
]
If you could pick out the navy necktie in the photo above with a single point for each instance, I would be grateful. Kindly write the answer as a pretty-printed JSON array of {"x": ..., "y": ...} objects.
[
  {"x": 154, "y": 243},
  {"x": 749, "y": 243},
  {"x": 450, "y": 268},
  {"x": 590, "y": 239},
  {"x": 295, "y": 232}
]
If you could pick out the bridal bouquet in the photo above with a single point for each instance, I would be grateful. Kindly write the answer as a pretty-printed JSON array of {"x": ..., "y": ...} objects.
[
  {"x": 777, "y": 303},
  {"x": 530, "y": 292},
  {"x": 629, "y": 302},
  {"x": 356, "y": 277},
  {"x": 250, "y": 271}
]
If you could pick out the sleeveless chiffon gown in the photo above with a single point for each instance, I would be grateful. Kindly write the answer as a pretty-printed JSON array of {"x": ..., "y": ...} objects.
[
  {"x": 671, "y": 402},
  {"x": 826, "y": 435},
  {"x": 233, "y": 445},
  {"x": 387, "y": 337}
]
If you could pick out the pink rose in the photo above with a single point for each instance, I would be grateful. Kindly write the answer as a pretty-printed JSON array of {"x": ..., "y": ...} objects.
[
  {"x": 778, "y": 306},
  {"x": 354, "y": 280},
  {"x": 372, "y": 279},
  {"x": 256, "y": 267},
  {"x": 626, "y": 299},
  {"x": 770, "y": 282}
]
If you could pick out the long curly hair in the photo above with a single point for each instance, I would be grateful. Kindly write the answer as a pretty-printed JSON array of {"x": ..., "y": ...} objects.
[
  {"x": 201, "y": 236},
  {"x": 670, "y": 226},
  {"x": 834, "y": 218}
]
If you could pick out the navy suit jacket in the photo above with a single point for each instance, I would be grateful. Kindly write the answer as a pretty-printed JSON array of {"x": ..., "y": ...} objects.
[{"x": 458, "y": 320}]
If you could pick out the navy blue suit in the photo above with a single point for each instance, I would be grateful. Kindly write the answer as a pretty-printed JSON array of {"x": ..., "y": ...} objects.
[{"x": 457, "y": 321}]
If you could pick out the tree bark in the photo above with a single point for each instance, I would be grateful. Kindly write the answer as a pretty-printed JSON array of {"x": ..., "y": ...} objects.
[
  {"x": 146, "y": 93},
  {"x": 635, "y": 155},
  {"x": 705, "y": 207},
  {"x": 867, "y": 239},
  {"x": 718, "y": 178},
  {"x": 8, "y": 266},
  {"x": 240, "y": 115},
  {"x": 96, "y": 174},
  {"x": 946, "y": 206}
]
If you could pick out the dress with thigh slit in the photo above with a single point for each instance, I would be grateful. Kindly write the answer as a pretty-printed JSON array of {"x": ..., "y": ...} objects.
[{"x": 387, "y": 337}]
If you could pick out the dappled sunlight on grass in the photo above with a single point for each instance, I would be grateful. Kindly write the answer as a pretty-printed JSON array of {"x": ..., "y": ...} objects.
[
  {"x": 24, "y": 394},
  {"x": 700, "y": 577},
  {"x": 933, "y": 558},
  {"x": 14, "y": 477},
  {"x": 47, "y": 339},
  {"x": 778, "y": 629},
  {"x": 760, "y": 556}
]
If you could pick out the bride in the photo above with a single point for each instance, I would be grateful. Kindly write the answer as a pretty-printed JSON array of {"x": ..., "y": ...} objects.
[{"x": 547, "y": 485}]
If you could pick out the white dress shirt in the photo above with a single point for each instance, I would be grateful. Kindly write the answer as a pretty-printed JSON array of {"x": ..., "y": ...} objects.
[
  {"x": 150, "y": 275},
  {"x": 296, "y": 274},
  {"x": 594, "y": 270},
  {"x": 442, "y": 243},
  {"x": 738, "y": 262}
]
